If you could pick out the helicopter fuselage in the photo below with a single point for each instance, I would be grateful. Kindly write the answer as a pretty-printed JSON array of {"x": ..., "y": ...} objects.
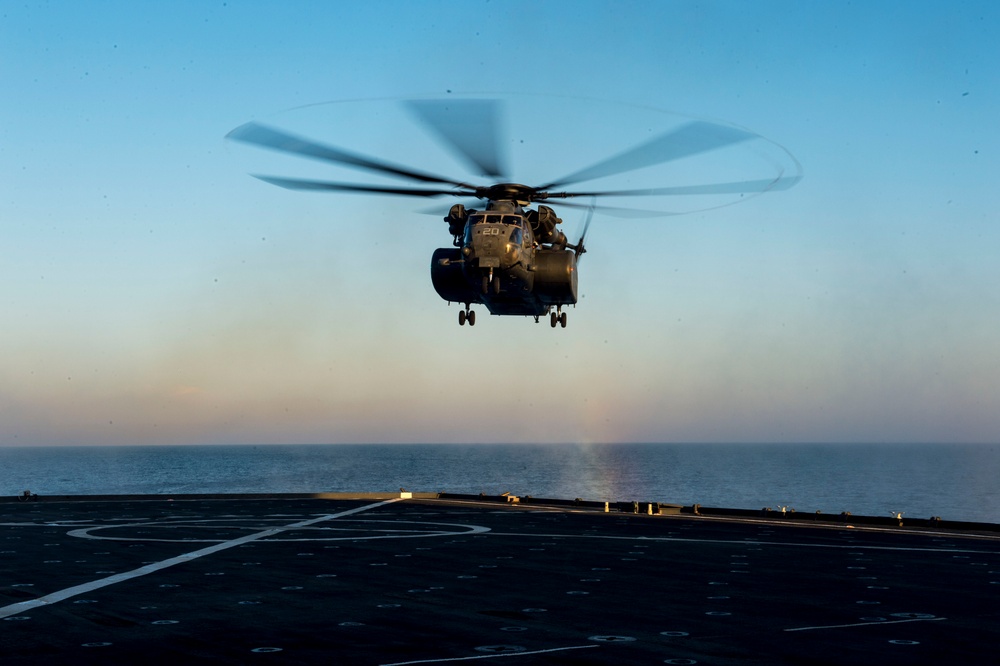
[{"x": 499, "y": 262}]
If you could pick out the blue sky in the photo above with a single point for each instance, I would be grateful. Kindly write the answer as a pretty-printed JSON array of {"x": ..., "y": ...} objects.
[{"x": 153, "y": 293}]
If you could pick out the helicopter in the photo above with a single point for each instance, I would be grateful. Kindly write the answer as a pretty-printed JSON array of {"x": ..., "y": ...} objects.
[{"x": 506, "y": 255}]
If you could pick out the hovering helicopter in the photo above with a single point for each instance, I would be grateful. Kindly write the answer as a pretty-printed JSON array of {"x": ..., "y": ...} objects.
[{"x": 506, "y": 256}]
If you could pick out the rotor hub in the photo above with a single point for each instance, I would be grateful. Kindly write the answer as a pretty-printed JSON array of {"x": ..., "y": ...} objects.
[{"x": 520, "y": 194}]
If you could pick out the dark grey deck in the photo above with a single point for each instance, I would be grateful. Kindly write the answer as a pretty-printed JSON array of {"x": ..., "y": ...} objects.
[{"x": 369, "y": 581}]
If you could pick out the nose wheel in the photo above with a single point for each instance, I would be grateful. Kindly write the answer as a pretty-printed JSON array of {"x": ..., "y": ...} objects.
[
  {"x": 491, "y": 282},
  {"x": 557, "y": 318},
  {"x": 466, "y": 315}
]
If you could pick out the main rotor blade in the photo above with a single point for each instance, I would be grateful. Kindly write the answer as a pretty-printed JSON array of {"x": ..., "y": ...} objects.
[
  {"x": 445, "y": 208},
  {"x": 691, "y": 139},
  {"x": 300, "y": 184},
  {"x": 736, "y": 187},
  {"x": 268, "y": 137},
  {"x": 470, "y": 127},
  {"x": 615, "y": 211}
]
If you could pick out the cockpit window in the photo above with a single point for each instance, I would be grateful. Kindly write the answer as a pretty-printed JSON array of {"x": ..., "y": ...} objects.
[{"x": 496, "y": 225}]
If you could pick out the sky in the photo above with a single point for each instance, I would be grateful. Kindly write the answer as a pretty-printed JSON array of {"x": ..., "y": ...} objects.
[{"x": 153, "y": 292}]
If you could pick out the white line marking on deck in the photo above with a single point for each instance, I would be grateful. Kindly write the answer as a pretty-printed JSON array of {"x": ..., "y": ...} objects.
[
  {"x": 69, "y": 592},
  {"x": 489, "y": 656},
  {"x": 868, "y": 624}
]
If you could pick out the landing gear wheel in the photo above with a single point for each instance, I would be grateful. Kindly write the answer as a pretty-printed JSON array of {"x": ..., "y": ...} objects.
[
  {"x": 472, "y": 318},
  {"x": 461, "y": 318},
  {"x": 553, "y": 319},
  {"x": 562, "y": 320},
  {"x": 496, "y": 284},
  {"x": 486, "y": 284}
]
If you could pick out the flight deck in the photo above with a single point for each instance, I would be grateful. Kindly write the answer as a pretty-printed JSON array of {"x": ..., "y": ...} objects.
[{"x": 410, "y": 578}]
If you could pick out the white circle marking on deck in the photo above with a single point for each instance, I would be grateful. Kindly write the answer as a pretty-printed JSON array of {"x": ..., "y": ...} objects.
[{"x": 359, "y": 529}]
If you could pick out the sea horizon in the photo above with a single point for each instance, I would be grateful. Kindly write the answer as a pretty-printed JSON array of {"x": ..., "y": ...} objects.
[{"x": 920, "y": 480}]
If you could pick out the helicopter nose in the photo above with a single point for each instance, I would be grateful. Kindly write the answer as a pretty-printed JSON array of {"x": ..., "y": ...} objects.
[{"x": 488, "y": 253}]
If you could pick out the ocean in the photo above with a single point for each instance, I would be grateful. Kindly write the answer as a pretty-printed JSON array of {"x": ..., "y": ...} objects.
[{"x": 954, "y": 481}]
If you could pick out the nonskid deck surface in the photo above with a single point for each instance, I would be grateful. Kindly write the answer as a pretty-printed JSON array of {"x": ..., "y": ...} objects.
[{"x": 432, "y": 581}]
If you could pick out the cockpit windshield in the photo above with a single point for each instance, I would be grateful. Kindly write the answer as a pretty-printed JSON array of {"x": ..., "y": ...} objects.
[{"x": 508, "y": 226}]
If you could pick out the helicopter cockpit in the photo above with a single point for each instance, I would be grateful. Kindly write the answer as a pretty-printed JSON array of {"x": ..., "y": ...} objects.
[{"x": 507, "y": 228}]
